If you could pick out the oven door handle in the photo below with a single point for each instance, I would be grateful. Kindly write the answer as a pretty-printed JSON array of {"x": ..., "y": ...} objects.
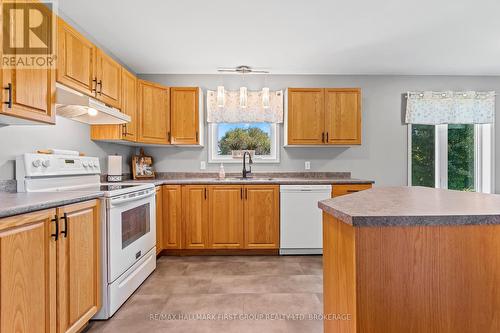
[{"x": 116, "y": 202}]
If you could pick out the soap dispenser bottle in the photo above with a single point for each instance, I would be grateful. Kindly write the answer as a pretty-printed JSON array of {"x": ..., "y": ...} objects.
[{"x": 222, "y": 173}]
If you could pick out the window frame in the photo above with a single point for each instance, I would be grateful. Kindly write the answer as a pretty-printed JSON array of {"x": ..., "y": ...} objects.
[
  {"x": 484, "y": 164},
  {"x": 213, "y": 157}
]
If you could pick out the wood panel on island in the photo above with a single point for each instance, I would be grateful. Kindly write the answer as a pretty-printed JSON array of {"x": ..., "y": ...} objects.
[
  {"x": 220, "y": 217},
  {"x": 323, "y": 117},
  {"x": 50, "y": 269}
]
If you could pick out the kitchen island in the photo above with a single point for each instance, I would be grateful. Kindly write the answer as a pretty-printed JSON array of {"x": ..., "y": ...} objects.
[{"x": 412, "y": 259}]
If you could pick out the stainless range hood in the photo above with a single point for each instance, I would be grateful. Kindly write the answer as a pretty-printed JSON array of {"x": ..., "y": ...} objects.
[{"x": 80, "y": 107}]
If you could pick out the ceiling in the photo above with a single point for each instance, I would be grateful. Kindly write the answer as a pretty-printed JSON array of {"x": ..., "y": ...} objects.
[{"x": 445, "y": 37}]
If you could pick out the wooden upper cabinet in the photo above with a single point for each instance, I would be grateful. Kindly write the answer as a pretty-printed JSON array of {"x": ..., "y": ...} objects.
[
  {"x": 109, "y": 79},
  {"x": 28, "y": 94},
  {"x": 75, "y": 59},
  {"x": 78, "y": 265},
  {"x": 319, "y": 116},
  {"x": 184, "y": 115},
  {"x": 28, "y": 273},
  {"x": 262, "y": 222},
  {"x": 172, "y": 217},
  {"x": 306, "y": 113},
  {"x": 153, "y": 112},
  {"x": 225, "y": 216},
  {"x": 344, "y": 189},
  {"x": 195, "y": 216},
  {"x": 343, "y": 116},
  {"x": 129, "y": 104}
]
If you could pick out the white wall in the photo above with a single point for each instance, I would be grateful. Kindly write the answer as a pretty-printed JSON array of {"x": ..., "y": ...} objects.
[
  {"x": 66, "y": 134},
  {"x": 383, "y": 154}
]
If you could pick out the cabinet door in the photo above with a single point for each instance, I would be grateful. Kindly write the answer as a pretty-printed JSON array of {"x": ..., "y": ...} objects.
[
  {"x": 343, "y": 189},
  {"x": 75, "y": 59},
  {"x": 28, "y": 93},
  {"x": 306, "y": 116},
  {"x": 159, "y": 219},
  {"x": 28, "y": 273},
  {"x": 225, "y": 216},
  {"x": 172, "y": 217},
  {"x": 154, "y": 113},
  {"x": 343, "y": 116},
  {"x": 32, "y": 94},
  {"x": 78, "y": 265},
  {"x": 184, "y": 103},
  {"x": 195, "y": 216},
  {"x": 109, "y": 79},
  {"x": 129, "y": 104},
  {"x": 261, "y": 216}
]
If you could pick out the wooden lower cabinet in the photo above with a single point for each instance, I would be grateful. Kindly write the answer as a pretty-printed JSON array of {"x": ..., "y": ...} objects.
[
  {"x": 343, "y": 189},
  {"x": 225, "y": 217},
  {"x": 28, "y": 273},
  {"x": 195, "y": 217},
  {"x": 78, "y": 268},
  {"x": 172, "y": 217},
  {"x": 262, "y": 221},
  {"x": 159, "y": 219},
  {"x": 50, "y": 269}
]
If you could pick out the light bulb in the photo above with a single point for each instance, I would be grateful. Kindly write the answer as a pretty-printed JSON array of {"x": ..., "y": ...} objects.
[
  {"x": 220, "y": 96},
  {"x": 265, "y": 98},
  {"x": 243, "y": 97},
  {"x": 92, "y": 112}
]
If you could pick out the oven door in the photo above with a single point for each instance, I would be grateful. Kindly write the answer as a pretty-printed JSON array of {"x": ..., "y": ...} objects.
[{"x": 131, "y": 230}]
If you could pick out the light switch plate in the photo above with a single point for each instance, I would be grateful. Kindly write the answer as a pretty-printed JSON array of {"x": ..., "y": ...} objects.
[
  {"x": 203, "y": 165},
  {"x": 307, "y": 165}
]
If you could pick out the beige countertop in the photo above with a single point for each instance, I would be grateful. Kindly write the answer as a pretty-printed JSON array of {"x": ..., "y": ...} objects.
[{"x": 406, "y": 206}]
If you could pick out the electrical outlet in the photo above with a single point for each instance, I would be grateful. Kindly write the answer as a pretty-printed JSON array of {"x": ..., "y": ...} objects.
[
  {"x": 307, "y": 165},
  {"x": 203, "y": 165}
]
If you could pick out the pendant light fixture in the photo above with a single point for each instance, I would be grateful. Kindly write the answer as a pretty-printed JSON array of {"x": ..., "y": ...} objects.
[
  {"x": 243, "y": 97},
  {"x": 221, "y": 98},
  {"x": 266, "y": 104}
]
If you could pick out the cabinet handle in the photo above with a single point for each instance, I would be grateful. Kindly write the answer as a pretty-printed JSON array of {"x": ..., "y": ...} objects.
[
  {"x": 9, "y": 101},
  {"x": 100, "y": 87},
  {"x": 56, "y": 234},
  {"x": 196, "y": 136},
  {"x": 94, "y": 89},
  {"x": 323, "y": 137},
  {"x": 125, "y": 130},
  {"x": 169, "y": 136},
  {"x": 246, "y": 194},
  {"x": 352, "y": 191},
  {"x": 241, "y": 193},
  {"x": 327, "y": 137},
  {"x": 65, "y": 231},
  {"x": 205, "y": 193}
]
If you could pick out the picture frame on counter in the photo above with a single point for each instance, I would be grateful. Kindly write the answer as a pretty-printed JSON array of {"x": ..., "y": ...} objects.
[{"x": 142, "y": 166}]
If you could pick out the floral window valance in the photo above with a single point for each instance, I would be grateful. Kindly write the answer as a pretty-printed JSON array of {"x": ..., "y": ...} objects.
[
  {"x": 434, "y": 108},
  {"x": 255, "y": 112}
]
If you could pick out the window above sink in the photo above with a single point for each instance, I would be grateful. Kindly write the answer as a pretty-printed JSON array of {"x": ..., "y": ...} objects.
[{"x": 226, "y": 139}]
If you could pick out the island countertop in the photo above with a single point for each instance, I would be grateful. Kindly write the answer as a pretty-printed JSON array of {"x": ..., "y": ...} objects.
[{"x": 407, "y": 206}]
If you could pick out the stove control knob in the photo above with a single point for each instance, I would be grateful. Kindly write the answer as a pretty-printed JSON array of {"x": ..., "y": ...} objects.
[
  {"x": 36, "y": 163},
  {"x": 85, "y": 164},
  {"x": 46, "y": 163},
  {"x": 91, "y": 164}
]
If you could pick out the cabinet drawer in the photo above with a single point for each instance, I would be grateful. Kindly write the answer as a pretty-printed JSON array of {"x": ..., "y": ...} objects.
[{"x": 343, "y": 189}]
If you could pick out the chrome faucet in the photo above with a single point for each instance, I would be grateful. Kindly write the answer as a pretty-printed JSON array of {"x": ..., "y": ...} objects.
[{"x": 245, "y": 171}]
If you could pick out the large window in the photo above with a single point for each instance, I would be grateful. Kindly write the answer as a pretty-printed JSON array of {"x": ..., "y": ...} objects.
[
  {"x": 457, "y": 157},
  {"x": 227, "y": 138}
]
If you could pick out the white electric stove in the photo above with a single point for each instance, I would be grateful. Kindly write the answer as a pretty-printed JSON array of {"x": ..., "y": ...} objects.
[{"x": 128, "y": 219}]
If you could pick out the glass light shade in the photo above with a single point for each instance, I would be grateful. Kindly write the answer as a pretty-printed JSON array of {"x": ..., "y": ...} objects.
[
  {"x": 221, "y": 98},
  {"x": 265, "y": 98},
  {"x": 243, "y": 97}
]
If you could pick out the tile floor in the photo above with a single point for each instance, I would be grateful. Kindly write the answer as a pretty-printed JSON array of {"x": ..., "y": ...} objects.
[{"x": 223, "y": 285}]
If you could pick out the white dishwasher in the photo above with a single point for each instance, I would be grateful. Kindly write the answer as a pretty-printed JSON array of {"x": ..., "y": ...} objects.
[{"x": 301, "y": 219}]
